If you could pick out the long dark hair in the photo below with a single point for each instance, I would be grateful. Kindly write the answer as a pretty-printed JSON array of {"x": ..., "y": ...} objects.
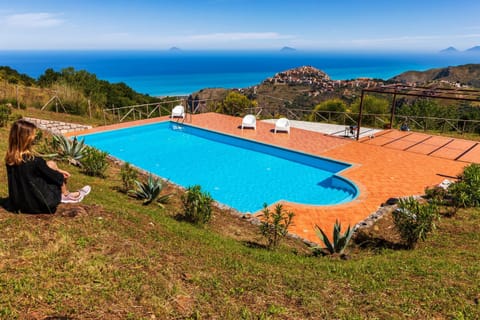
[{"x": 20, "y": 142}]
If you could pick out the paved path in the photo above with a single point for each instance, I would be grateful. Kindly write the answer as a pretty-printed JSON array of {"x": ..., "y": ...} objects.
[
  {"x": 431, "y": 145},
  {"x": 329, "y": 129}
]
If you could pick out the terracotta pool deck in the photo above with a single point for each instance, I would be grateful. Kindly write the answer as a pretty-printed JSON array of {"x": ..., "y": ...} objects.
[{"x": 380, "y": 172}]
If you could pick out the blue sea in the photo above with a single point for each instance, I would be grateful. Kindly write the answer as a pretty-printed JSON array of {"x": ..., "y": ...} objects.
[{"x": 171, "y": 73}]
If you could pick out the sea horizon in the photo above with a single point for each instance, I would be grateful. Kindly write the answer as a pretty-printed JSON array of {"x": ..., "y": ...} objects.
[{"x": 178, "y": 72}]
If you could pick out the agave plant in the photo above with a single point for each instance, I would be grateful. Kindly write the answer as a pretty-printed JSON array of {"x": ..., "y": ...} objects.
[
  {"x": 147, "y": 191},
  {"x": 340, "y": 242},
  {"x": 163, "y": 199},
  {"x": 70, "y": 150}
]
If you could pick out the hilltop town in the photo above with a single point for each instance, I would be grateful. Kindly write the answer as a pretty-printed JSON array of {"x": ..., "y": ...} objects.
[
  {"x": 306, "y": 86},
  {"x": 318, "y": 80}
]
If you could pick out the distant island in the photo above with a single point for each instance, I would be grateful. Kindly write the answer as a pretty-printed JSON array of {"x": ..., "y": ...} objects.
[
  {"x": 449, "y": 50},
  {"x": 475, "y": 49},
  {"x": 174, "y": 49},
  {"x": 288, "y": 49}
]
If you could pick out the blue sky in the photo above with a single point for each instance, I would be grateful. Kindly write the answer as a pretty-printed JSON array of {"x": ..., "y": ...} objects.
[{"x": 420, "y": 25}]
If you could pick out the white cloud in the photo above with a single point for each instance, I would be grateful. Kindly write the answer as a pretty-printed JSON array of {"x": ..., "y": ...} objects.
[
  {"x": 33, "y": 20},
  {"x": 394, "y": 39},
  {"x": 473, "y": 35}
]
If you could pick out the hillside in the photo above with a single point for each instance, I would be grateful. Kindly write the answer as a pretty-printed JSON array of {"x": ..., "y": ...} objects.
[
  {"x": 72, "y": 90},
  {"x": 465, "y": 75},
  {"x": 300, "y": 88},
  {"x": 113, "y": 258}
]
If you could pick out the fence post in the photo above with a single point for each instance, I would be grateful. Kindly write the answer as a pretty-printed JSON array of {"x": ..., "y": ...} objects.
[
  {"x": 16, "y": 96},
  {"x": 89, "y": 109}
]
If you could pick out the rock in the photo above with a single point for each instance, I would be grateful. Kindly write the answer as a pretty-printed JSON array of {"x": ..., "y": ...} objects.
[
  {"x": 391, "y": 201},
  {"x": 70, "y": 211}
]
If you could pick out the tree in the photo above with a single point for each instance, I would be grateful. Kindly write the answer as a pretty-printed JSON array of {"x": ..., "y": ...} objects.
[
  {"x": 13, "y": 77},
  {"x": 332, "y": 105},
  {"x": 235, "y": 104},
  {"x": 100, "y": 92},
  {"x": 48, "y": 78},
  {"x": 372, "y": 105}
]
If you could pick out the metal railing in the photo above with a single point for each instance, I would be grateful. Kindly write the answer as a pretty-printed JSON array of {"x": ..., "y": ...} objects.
[
  {"x": 442, "y": 125},
  {"x": 421, "y": 123}
]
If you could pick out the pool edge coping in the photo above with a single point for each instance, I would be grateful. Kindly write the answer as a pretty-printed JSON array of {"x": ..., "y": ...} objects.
[{"x": 153, "y": 121}]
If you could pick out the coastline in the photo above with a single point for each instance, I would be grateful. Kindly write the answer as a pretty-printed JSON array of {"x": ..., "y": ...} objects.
[{"x": 181, "y": 73}]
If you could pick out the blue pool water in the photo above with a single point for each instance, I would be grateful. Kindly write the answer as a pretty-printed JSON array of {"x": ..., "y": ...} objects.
[{"x": 239, "y": 173}]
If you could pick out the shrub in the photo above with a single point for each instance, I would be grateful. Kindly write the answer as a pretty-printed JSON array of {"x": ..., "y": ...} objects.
[
  {"x": 340, "y": 241},
  {"x": 13, "y": 103},
  {"x": 148, "y": 190},
  {"x": 197, "y": 205},
  {"x": 336, "y": 106},
  {"x": 69, "y": 150},
  {"x": 129, "y": 175},
  {"x": 466, "y": 191},
  {"x": 436, "y": 193},
  {"x": 274, "y": 225},
  {"x": 414, "y": 220},
  {"x": 4, "y": 114},
  {"x": 74, "y": 107},
  {"x": 440, "y": 196},
  {"x": 94, "y": 162},
  {"x": 16, "y": 116}
]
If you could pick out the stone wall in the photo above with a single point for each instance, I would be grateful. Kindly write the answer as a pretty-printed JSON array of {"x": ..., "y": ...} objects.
[{"x": 57, "y": 127}]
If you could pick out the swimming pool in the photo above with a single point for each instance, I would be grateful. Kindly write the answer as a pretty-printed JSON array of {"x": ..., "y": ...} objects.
[{"x": 239, "y": 173}]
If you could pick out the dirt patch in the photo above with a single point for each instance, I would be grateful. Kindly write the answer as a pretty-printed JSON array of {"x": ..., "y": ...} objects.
[{"x": 381, "y": 234}]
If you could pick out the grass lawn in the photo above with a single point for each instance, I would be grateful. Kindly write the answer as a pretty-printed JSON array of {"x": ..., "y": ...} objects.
[{"x": 112, "y": 258}]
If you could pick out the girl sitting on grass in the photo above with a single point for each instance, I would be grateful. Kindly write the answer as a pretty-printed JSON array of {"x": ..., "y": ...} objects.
[{"x": 34, "y": 185}]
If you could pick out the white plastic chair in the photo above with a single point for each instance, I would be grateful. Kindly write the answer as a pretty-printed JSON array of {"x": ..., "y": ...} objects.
[
  {"x": 282, "y": 124},
  {"x": 249, "y": 121},
  {"x": 178, "y": 112}
]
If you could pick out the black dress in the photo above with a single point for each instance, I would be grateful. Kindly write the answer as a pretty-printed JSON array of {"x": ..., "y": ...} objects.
[{"x": 33, "y": 187}]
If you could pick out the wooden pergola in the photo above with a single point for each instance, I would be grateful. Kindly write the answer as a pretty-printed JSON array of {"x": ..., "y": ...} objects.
[{"x": 425, "y": 92}]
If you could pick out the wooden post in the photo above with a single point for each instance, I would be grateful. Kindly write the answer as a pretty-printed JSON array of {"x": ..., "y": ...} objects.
[
  {"x": 392, "y": 112},
  {"x": 16, "y": 96},
  {"x": 360, "y": 113},
  {"x": 89, "y": 109}
]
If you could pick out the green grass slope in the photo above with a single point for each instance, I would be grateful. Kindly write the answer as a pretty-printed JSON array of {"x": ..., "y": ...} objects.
[{"x": 112, "y": 258}]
